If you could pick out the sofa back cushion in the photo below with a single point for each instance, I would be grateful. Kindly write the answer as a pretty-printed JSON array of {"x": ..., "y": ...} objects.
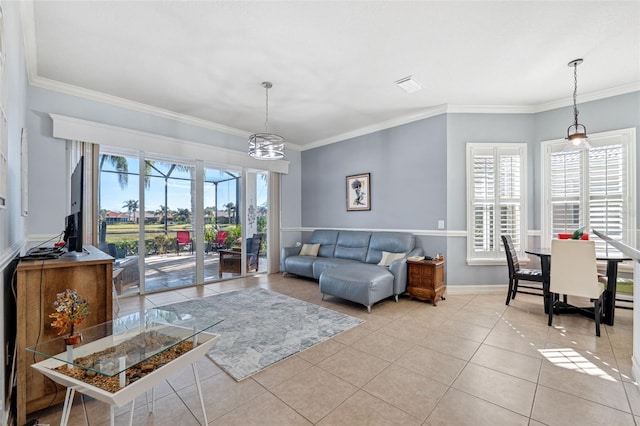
[
  {"x": 327, "y": 239},
  {"x": 352, "y": 245},
  {"x": 393, "y": 242}
]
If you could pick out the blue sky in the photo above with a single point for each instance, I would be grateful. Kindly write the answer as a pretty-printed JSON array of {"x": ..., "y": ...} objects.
[{"x": 113, "y": 197}]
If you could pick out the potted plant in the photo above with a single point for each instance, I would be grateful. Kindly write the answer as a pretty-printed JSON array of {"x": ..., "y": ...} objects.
[{"x": 71, "y": 310}]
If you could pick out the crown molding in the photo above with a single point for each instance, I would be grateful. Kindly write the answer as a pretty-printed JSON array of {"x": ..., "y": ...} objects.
[
  {"x": 589, "y": 97},
  {"x": 430, "y": 112},
  {"x": 28, "y": 29}
]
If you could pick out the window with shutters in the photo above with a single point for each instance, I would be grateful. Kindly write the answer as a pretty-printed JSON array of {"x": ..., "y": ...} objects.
[
  {"x": 496, "y": 199},
  {"x": 592, "y": 188}
]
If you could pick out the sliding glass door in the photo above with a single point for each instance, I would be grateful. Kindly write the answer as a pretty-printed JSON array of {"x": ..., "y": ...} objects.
[{"x": 155, "y": 212}]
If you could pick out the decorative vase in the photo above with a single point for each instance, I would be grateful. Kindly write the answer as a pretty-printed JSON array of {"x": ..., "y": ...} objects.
[{"x": 74, "y": 339}]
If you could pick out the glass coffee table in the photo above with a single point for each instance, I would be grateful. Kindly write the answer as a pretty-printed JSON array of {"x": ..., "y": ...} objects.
[{"x": 121, "y": 359}]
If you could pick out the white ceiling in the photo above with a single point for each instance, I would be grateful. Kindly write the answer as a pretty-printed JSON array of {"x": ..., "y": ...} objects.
[{"x": 332, "y": 64}]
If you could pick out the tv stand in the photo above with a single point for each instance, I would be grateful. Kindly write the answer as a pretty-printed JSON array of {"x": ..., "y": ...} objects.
[{"x": 38, "y": 283}]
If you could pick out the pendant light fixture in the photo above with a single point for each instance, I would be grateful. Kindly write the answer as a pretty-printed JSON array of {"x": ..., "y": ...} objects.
[
  {"x": 576, "y": 133},
  {"x": 266, "y": 146}
]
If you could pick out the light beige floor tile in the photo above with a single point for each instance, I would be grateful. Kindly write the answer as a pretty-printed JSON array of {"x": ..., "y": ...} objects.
[
  {"x": 322, "y": 351},
  {"x": 413, "y": 393},
  {"x": 168, "y": 411},
  {"x": 535, "y": 423},
  {"x": 266, "y": 409},
  {"x": 482, "y": 317},
  {"x": 435, "y": 365},
  {"x": 461, "y": 409},
  {"x": 523, "y": 327},
  {"x": 465, "y": 330},
  {"x": 165, "y": 298},
  {"x": 383, "y": 346},
  {"x": 221, "y": 395},
  {"x": 593, "y": 343},
  {"x": 633, "y": 394},
  {"x": 553, "y": 408},
  {"x": 352, "y": 335},
  {"x": 354, "y": 366},
  {"x": 366, "y": 410},
  {"x": 579, "y": 376},
  {"x": 407, "y": 329},
  {"x": 450, "y": 345},
  {"x": 278, "y": 373},
  {"x": 501, "y": 389},
  {"x": 516, "y": 342},
  {"x": 512, "y": 363},
  {"x": 314, "y": 393}
]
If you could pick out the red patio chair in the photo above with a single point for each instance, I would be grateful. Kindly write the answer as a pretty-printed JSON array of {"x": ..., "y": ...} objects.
[
  {"x": 183, "y": 238},
  {"x": 221, "y": 240}
]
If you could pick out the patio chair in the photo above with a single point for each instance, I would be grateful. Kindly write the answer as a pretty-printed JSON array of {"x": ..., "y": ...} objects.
[
  {"x": 221, "y": 241},
  {"x": 230, "y": 260},
  {"x": 183, "y": 238}
]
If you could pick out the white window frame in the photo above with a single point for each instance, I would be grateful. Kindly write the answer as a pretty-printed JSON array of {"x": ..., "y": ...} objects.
[
  {"x": 496, "y": 256},
  {"x": 625, "y": 137}
]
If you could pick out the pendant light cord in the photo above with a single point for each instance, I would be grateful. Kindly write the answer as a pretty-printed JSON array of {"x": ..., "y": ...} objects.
[{"x": 575, "y": 93}]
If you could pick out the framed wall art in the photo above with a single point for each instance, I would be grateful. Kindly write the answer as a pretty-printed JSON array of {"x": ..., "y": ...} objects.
[{"x": 359, "y": 192}]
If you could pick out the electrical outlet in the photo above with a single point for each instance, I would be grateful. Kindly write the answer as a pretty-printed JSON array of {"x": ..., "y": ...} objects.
[{"x": 441, "y": 224}]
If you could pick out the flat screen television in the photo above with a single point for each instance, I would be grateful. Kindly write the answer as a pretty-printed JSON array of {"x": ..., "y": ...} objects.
[{"x": 73, "y": 222}]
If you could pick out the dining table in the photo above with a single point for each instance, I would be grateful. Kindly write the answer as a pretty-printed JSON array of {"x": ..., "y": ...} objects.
[{"x": 612, "y": 258}]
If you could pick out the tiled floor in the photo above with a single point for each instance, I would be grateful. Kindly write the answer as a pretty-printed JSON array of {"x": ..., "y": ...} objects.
[{"x": 469, "y": 361}]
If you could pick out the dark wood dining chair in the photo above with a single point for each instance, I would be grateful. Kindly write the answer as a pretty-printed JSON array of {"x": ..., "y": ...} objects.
[{"x": 517, "y": 274}]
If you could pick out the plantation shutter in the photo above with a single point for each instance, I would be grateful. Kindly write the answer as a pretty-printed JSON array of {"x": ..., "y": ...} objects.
[
  {"x": 566, "y": 190},
  {"x": 496, "y": 187}
]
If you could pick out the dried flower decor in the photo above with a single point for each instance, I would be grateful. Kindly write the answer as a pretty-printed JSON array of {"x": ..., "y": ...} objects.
[{"x": 71, "y": 310}]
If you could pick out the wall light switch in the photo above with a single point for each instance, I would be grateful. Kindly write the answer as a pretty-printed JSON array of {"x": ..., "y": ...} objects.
[{"x": 441, "y": 224}]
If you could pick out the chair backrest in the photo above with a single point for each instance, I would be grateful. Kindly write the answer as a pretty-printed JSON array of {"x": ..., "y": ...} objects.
[
  {"x": 221, "y": 237},
  {"x": 253, "y": 244},
  {"x": 183, "y": 237},
  {"x": 573, "y": 268},
  {"x": 512, "y": 256}
]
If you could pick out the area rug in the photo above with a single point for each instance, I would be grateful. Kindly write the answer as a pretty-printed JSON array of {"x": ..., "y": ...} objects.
[{"x": 261, "y": 327}]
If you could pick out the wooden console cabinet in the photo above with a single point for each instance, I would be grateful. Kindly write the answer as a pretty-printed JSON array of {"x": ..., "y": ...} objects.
[
  {"x": 38, "y": 283},
  {"x": 426, "y": 280}
]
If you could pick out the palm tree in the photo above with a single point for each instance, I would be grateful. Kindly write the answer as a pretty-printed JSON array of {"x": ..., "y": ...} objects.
[
  {"x": 230, "y": 208},
  {"x": 131, "y": 206}
]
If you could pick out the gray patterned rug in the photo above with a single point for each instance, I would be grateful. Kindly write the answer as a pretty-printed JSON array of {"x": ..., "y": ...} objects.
[{"x": 261, "y": 327}]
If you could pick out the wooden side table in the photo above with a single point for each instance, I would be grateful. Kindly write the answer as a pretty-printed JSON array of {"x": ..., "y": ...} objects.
[{"x": 426, "y": 280}]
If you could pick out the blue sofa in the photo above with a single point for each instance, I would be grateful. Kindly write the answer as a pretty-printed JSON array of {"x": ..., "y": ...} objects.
[{"x": 346, "y": 264}]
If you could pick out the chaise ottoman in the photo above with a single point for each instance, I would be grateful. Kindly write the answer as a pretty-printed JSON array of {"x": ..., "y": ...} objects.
[{"x": 360, "y": 283}]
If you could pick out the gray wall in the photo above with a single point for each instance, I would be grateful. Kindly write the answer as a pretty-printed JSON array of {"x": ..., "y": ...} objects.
[
  {"x": 418, "y": 175},
  {"x": 407, "y": 166},
  {"x": 464, "y": 128},
  {"x": 614, "y": 113},
  {"x": 47, "y": 155},
  {"x": 12, "y": 223}
]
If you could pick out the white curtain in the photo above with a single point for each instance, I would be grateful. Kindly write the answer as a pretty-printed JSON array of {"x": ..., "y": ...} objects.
[{"x": 90, "y": 152}]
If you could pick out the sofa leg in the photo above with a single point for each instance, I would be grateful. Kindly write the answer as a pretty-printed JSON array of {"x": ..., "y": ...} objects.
[
  {"x": 322, "y": 296},
  {"x": 369, "y": 308},
  {"x": 396, "y": 298}
]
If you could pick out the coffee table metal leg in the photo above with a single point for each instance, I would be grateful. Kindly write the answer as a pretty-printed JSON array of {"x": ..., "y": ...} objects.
[
  {"x": 113, "y": 415},
  {"x": 133, "y": 408},
  {"x": 195, "y": 375},
  {"x": 68, "y": 402}
]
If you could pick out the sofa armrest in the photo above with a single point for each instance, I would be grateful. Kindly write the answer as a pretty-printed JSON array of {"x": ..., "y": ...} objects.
[
  {"x": 399, "y": 270},
  {"x": 287, "y": 252}
]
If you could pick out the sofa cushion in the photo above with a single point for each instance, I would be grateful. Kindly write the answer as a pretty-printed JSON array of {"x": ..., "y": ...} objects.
[
  {"x": 300, "y": 265},
  {"x": 361, "y": 283},
  {"x": 309, "y": 249},
  {"x": 392, "y": 242},
  {"x": 327, "y": 240},
  {"x": 388, "y": 257},
  {"x": 322, "y": 264},
  {"x": 352, "y": 245}
]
